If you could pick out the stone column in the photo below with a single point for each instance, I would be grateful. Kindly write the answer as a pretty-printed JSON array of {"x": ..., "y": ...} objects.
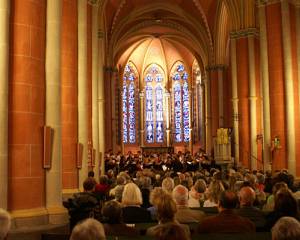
[
  {"x": 252, "y": 99},
  {"x": 82, "y": 88},
  {"x": 53, "y": 111},
  {"x": 221, "y": 95},
  {"x": 114, "y": 77},
  {"x": 142, "y": 129},
  {"x": 235, "y": 99},
  {"x": 95, "y": 113},
  {"x": 265, "y": 87},
  {"x": 208, "y": 133},
  {"x": 168, "y": 114},
  {"x": 289, "y": 87},
  {"x": 101, "y": 102},
  {"x": 298, "y": 44},
  {"x": 4, "y": 60}
]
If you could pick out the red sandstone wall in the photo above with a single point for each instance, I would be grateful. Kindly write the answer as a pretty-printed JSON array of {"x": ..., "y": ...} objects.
[
  {"x": 276, "y": 78},
  {"x": 69, "y": 65},
  {"x": 213, "y": 78},
  {"x": 243, "y": 104},
  {"x": 26, "y": 104}
]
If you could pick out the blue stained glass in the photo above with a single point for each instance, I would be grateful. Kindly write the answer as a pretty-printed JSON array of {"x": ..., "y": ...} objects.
[
  {"x": 176, "y": 77},
  {"x": 131, "y": 101},
  {"x": 185, "y": 76},
  {"x": 159, "y": 114},
  {"x": 149, "y": 78},
  {"x": 177, "y": 111},
  {"x": 158, "y": 78},
  {"x": 186, "y": 113},
  {"x": 124, "y": 105},
  {"x": 149, "y": 132},
  {"x": 180, "y": 68},
  {"x": 128, "y": 105}
]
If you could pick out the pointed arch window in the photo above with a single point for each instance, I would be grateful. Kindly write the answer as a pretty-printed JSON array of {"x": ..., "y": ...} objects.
[
  {"x": 129, "y": 103},
  {"x": 154, "y": 120},
  {"x": 181, "y": 98}
]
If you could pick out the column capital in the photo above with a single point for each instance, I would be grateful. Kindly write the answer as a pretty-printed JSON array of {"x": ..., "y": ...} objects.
[
  {"x": 100, "y": 33},
  {"x": 215, "y": 67},
  {"x": 244, "y": 33}
]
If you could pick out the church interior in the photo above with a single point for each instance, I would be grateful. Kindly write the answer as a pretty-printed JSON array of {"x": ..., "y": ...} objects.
[{"x": 84, "y": 78}]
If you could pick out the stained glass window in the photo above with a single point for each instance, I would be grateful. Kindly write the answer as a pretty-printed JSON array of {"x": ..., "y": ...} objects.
[
  {"x": 129, "y": 104},
  {"x": 181, "y": 104},
  {"x": 154, "y": 105}
]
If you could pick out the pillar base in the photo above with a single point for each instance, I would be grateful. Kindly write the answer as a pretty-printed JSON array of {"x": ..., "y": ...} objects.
[{"x": 39, "y": 217}]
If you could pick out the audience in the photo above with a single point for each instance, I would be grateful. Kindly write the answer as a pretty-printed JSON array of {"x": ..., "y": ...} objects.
[
  {"x": 113, "y": 221},
  {"x": 226, "y": 221},
  {"x": 132, "y": 201},
  {"x": 196, "y": 195},
  {"x": 286, "y": 228},
  {"x": 285, "y": 206},
  {"x": 184, "y": 213},
  {"x": 5, "y": 222},
  {"x": 247, "y": 198},
  {"x": 89, "y": 229},
  {"x": 166, "y": 210},
  {"x": 167, "y": 196}
]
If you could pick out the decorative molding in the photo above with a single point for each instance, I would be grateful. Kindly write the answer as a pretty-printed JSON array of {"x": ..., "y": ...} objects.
[
  {"x": 261, "y": 3},
  {"x": 244, "y": 33}
]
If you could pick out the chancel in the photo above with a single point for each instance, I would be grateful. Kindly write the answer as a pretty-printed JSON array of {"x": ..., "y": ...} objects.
[{"x": 99, "y": 94}]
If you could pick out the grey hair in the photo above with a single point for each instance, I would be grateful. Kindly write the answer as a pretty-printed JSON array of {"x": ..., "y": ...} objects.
[
  {"x": 286, "y": 228},
  {"x": 180, "y": 195},
  {"x": 89, "y": 229},
  {"x": 5, "y": 222}
]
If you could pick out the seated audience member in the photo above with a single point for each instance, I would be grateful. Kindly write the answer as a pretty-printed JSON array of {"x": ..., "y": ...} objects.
[
  {"x": 285, "y": 206},
  {"x": 5, "y": 222},
  {"x": 213, "y": 191},
  {"x": 102, "y": 188},
  {"x": 226, "y": 221},
  {"x": 145, "y": 187},
  {"x": 269, "y": 206},
  {"x": 132, "y": 201},
  {"x": 89, "y": 229},
  {"x": 170, "y": 231},
  {"x": 168, "y": 184},
  {"x": 166, "y": 210},
  {"x": 286, "y": 228},
  {"x": 114, "y": 226},
  {"x": 84, "y": 204},
  {"x": 196, "y": 195},
  {"x": 91, "y": 175},
  {"x": 115, "y": 192},
  {"x": 247, "y": 198},
  {"x": 184, "y": 213},
  {"x": 155, "y": 196}
]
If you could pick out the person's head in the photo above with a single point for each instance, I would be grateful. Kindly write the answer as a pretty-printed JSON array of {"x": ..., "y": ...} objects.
[
  {"x": 89, "y": 185},
  {"x": 200, "y": 186},
  {"x": 285, "y": 203},
  {"x": 5, "y": 222},
  {"x": 121, "y": 180},
  {"x": 227, "y": 200},
  {"x": 181, "y": 195},
  {"x": 112, "y": 212},
  {"x": 119, "y": 192},
  {"x": 88, "y": 229},
  {"x": 155, "y": 195},
  {"x": 214, "y": 189},
  {"x": 260, "y": 178},
  {"x": 103, "y": 179},
  {"x": 132, "y": 195},
  {"x": 278, "y": 186},
  {"x": 246, "y": 196},
  {"x": 168, "y": 184},
  {"x": 170, "y": 231},
  {"x": 166, "y": 208},
  {"x": 91, "y": 174},
  {"x": 286, "y": 228}
]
